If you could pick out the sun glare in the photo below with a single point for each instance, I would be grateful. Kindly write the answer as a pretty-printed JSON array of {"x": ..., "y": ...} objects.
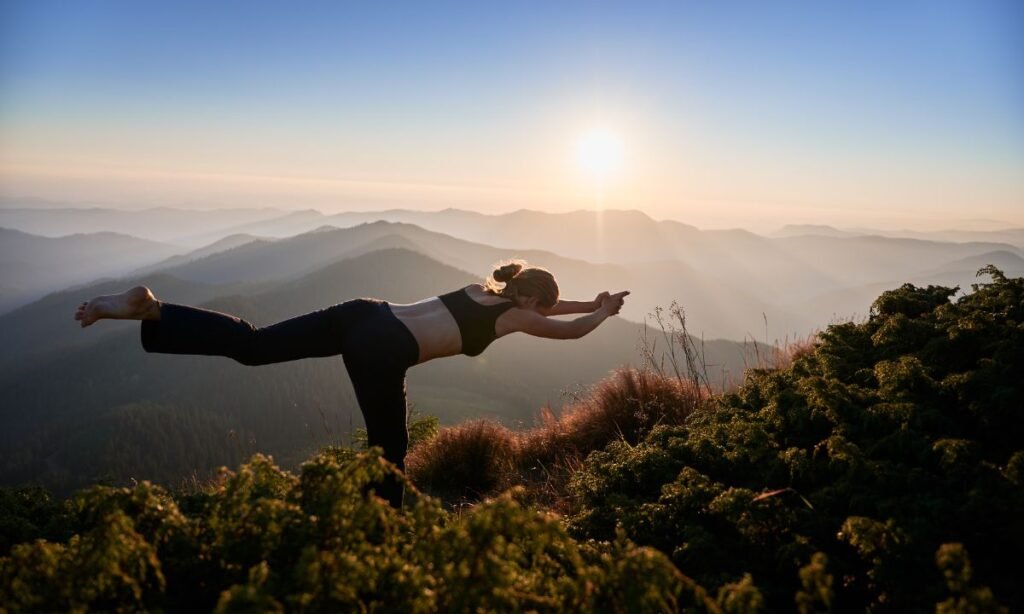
[{"x": 599, "y": 153}]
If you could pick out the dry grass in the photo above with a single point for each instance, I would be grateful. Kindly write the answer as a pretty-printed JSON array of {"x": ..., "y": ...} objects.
[
  {"x": 671, "y": 351},
  {"x": 792, "y": 350},
  {"x": 779, "y": 355},
  {"x": 464, "y": 462},
  {"x": 481, "y": 458},
  {"x": 626, "y": 405}
]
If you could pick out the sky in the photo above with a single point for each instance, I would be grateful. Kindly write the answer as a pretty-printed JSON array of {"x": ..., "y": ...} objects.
[{"x": 719, "y": 114}]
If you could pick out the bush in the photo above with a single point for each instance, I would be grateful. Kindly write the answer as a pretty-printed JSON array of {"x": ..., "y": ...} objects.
[
  {"x": 467, "y": 462},
  {"x": 884, "y": 441},
  {"x": 28, "y": 513},
  {"x": 262, "y": 539}
]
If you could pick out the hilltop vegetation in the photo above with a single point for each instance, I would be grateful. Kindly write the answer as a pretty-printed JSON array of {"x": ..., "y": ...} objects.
[
  {"x": 881, "y": 470},
  {"x": 885, "y": 442}
]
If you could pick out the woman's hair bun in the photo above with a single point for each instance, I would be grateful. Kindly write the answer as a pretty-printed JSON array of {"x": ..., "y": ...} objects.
[{"x": 505, "y": 273}]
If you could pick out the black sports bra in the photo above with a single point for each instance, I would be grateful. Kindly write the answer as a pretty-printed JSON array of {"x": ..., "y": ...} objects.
[{"x": 476, "y": 321}]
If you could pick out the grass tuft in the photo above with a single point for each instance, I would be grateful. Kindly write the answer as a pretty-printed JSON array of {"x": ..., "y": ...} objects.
[
  {"x": 476, "y": 460},
  {"x": 464, "y": 462}
]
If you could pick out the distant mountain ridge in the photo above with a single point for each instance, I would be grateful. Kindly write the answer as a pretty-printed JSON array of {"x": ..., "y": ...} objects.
[
  {"x": 31, "y": 265},
  {"x": 161, "y": 224},
  {"x": 195, "y": 228},
  {"x": 729, "y": 280},
  {"x": 817, "y": 230},
  {"x": 1009, "y": 236},
  {"x": 718, "y": 309},
  {"x": 220, "y": 245}
]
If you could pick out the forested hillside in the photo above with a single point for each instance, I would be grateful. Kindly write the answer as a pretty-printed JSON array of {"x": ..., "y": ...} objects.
[
  {"x": 881, "y": 470},
  {"x": 889, "y": 446}
]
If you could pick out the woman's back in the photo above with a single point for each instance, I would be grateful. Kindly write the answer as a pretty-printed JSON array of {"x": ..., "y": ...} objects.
[{"x": 434, "y": 326}]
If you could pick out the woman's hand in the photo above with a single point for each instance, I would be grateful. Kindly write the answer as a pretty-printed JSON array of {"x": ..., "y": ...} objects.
[
  {"x": 535, "y": 323},
  {"x": 612, "y": 303},
  {"x": 600, "y": 299}
]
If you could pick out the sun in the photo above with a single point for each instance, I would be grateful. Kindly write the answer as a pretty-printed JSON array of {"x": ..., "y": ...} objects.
[{"x": 599, "y": 153}]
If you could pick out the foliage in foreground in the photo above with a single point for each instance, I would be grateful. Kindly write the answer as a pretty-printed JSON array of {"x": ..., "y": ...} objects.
[
  {"x": 266, "y": 540},
  {"x": 893, "y": 445},
  {"x": 857, "y": 478}
]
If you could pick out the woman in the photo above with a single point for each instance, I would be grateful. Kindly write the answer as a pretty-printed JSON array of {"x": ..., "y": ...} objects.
[{"x": 378, "y": 340}]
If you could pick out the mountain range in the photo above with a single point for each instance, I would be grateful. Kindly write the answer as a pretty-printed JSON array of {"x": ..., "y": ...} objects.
[
  {"x": 730, "y": 281},
  {"x": 80, "y": 405},
  {"x": 32, "y": 266}
]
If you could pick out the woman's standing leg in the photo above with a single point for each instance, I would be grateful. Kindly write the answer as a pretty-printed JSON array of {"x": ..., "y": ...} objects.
[{"x": 381, "y": 395}]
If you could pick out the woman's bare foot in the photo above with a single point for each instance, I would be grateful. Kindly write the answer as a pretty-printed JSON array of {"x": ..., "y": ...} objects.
[{"x": 135, "y": 304}]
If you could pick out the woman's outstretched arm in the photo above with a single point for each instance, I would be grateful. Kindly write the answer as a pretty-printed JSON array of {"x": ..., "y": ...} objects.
[
  {"x": 539, "y": 325},
  {"x": 562, "y": 308}
]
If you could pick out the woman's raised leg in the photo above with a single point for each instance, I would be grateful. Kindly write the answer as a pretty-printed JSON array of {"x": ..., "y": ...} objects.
[{"x": 182, "y": 329}]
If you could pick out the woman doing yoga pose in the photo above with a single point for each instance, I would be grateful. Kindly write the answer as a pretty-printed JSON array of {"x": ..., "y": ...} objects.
[{"x": 378, "y": 340}]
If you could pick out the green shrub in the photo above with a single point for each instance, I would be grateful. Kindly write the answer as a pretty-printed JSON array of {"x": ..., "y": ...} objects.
[
  {"x": 261, "y": 539},
  {"x": 884, "y": 441},
  {"x": 30, "y": 513}
]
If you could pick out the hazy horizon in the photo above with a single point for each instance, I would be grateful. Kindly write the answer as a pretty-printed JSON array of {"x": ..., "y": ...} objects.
[
  {"x": 912, "y": 225},
  {"x": 751, "y": 116}
]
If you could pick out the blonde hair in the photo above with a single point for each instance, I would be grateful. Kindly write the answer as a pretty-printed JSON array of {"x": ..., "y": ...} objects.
[{"x": 514, "y": 278}]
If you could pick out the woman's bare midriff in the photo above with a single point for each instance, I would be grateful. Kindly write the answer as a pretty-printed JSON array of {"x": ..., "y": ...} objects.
[{"x": 433, "y": 325}]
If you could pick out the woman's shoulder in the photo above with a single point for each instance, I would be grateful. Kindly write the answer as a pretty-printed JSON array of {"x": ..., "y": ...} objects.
[{"x": 479, "y": 293}]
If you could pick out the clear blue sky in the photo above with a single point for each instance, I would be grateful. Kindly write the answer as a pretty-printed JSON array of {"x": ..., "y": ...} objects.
[{"x": 814, "y": 110}]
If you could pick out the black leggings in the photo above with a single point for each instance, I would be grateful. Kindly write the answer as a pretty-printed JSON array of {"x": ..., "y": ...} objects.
[{"x": 377, "y": 349}]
